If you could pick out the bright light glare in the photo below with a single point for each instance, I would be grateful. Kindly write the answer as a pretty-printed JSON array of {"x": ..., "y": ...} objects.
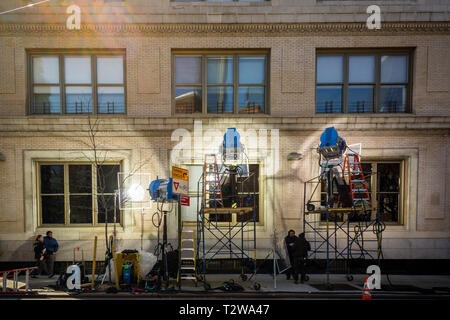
[{"x": 136, "y": 192}]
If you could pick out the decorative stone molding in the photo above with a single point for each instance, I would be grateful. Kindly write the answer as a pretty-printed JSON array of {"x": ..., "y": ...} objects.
[{"x": 443, "y": 27}]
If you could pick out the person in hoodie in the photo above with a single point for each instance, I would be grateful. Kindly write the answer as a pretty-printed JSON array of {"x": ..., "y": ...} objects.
[
  {"x": 290, "y": 240},
  {"x": 299, "y": 253},
  {"x": 39, "y": 256},
  {"x": 51, "y": 246}
]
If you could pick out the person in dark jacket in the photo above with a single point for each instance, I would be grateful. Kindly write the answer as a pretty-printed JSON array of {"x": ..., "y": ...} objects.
[
  {"x": 51, "y": 245},
  {"x": 300, "y": 252},
  {"x": 40, "y": 255},
  {"x": 290, "y": 240}
]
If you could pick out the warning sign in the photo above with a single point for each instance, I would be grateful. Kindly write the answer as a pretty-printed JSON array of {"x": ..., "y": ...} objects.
[
  {"x": 185, "y": 201},
  {"x": 180, "y": 178}
]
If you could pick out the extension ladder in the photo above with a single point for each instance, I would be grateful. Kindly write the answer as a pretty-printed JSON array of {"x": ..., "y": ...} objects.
[
  {"x": 212, "y": 190},
  {"x": 15, "y": 284},
  {"x": 356, "y": 180},
  {"x": 187, "y": 263}
]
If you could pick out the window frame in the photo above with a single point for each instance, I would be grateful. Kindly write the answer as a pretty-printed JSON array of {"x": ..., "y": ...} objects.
[
  {"x": 261, "y": 219},
  {"x": 94, "y": 54},
  {"x": 235, "y": 54},
  {"x": 94, "y": 194},
  {"x": 374, "y": 190},
  {"x": 377, "y": 53}
]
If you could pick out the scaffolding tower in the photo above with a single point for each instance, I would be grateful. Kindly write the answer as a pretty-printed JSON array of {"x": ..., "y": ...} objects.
[
  {"x": 226, "y": 221},
  {"x": 336, "y": 232}
]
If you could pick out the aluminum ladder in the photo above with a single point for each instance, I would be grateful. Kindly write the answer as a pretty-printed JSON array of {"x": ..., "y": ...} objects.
[{"x": 187, "y": 262}]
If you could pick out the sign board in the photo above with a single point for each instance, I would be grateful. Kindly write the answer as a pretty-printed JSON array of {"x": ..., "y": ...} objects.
[
  {"x": 185, "y": 201},
  {"x": 180, "y": 180}
]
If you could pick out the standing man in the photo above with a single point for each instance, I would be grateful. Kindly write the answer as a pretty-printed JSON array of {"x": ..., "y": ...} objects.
[
  {"x": 51, "y": 245},
  {"x": 300, "y": 252},
  {"x": 290, "y": 240}
]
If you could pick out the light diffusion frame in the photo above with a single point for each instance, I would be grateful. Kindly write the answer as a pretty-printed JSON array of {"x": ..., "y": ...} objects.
[{"x": 133, "y": 190}]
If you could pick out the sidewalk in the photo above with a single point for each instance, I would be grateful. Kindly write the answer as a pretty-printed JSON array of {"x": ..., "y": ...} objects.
[{"x": 316, "y": 286}]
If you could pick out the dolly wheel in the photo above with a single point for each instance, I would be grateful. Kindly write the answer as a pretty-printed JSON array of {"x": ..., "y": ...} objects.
[
  {"x": 349, "y": 277},
  {"x": 256, "y": 286},
  {"x": 244, "y": 277}
]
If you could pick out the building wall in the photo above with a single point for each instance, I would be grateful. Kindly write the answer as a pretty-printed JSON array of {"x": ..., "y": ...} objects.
[{"x": 143, "y": 135}]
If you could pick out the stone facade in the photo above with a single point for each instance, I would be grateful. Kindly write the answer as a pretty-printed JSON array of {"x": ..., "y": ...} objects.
[{"x": 291, "y": 31}]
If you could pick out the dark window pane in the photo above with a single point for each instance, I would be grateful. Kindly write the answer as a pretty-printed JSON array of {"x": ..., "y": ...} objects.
[
  {"x": 46, "y": 100},
  {"x": 251, "y": 100},
  {"x": 394, "y": 69},
  {"x": 393, "y": 99},
  {"x": 252, "y": 70},
  {"x": 78, "y": 99},
  {"x": 330, "y": 69},
  {"x": 249, "y": 200},
  {"x": 360, "y": 98},
  {"x": 329, "y": 99},
  {"x": 220, "y": 70},
  {"x": 107, "y": 178},
  {"x": 220, "y": 99},
  {"x": 188, "y": 70},
  {"x": 367, "y": 170},
  {"x": 52, "y": 209},
  {"x": 188, "y": 100},
  {"x": 251, "y": 183},
  {"x": 81, "y": 209},
  {"x": 52, "y": 179},
  {"x": 111, "y": 100},
  {"x": 80, "y": 178},
  {"x": 107, "y": 202},
  {"x": 388, "y": 177},
  {"x": 388, "y": 204}
]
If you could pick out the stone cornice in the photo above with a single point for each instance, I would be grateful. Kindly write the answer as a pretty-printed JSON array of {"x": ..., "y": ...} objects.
[
  {"x": 442, "y": 27},
  {"x": 25, "y": 126}
]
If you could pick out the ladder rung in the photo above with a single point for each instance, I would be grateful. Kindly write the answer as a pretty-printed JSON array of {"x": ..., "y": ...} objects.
[
  {"x": 187, "y": 249},
  {"x": 187, "y": 258},
  {"x": 361, "y": 199},
  {"x": 188, "y": 278},
  {"x": 187, "y": 267},
  {"x": 356, "y": 181},
  {"x": 359, "y": 190}
]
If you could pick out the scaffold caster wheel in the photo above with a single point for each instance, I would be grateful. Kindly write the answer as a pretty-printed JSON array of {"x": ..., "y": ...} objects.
[
  {"x": 207, "y": 286},
  {"x": 256, "y": 286},
  {"x": 350, "y": 278},
  {"x": 244, "y": 277}
]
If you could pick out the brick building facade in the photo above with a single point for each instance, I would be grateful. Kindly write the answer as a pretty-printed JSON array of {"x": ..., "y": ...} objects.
[{"x": 148, "y": 39}]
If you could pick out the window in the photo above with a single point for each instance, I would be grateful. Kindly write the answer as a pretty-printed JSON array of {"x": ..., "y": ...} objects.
[
  {"x": 385, "y": 184},
  {"x": 220, "y": 83},
  {"x": 249, "y": 186},
  {"x": 362, "y": 82},
  {"x": 77, "y": 83},
  {"x": 77, "y": 193}
]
